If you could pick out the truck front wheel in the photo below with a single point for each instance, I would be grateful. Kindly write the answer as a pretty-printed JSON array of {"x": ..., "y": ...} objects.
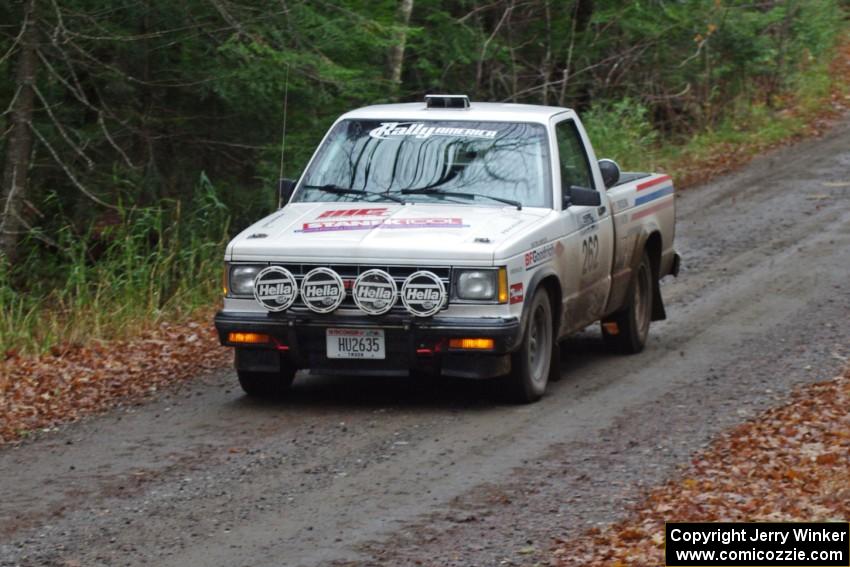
[
  {"x": 626, "y": 330},
  {"x": 267, "y": 385},
  {"x": 531, "y": 363}
]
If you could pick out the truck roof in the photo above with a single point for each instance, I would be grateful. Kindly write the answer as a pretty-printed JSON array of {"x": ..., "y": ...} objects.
[{"x": 477, "y": 111}]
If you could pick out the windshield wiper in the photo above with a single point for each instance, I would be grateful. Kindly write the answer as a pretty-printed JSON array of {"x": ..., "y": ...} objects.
[
  {"x": 336, "y": 190},
  {"x": 436, "y": 191}
]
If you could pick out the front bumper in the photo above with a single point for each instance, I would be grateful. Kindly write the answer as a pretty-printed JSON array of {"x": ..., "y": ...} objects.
[{"x": 411, "y": 344}]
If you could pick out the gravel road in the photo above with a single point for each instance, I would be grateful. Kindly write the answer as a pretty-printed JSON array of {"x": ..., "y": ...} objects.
[{"x": 396, "y": 472}]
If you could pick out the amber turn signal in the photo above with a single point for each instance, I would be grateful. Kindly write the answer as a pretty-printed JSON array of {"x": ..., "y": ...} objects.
[
  {"x": 503, "y": 285},
  {"x": 248, "y": 338},
  {"x": 472, "y": 344}
]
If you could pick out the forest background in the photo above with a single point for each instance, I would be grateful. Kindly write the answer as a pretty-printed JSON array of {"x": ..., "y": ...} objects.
[{"x": 137, "y": 136}]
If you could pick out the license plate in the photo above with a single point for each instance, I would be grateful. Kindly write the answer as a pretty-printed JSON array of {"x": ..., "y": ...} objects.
[{"x": 356, "y": 343}]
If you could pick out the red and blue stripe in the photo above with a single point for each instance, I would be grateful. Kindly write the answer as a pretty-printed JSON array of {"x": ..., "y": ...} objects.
[{"x": 642, "y": 199}]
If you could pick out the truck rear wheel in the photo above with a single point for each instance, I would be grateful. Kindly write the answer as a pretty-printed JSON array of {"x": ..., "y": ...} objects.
[
  {"x": 268, "y": 385},
  {"x": 626, "y": 330},
  {"x": 531, "y": 363}
]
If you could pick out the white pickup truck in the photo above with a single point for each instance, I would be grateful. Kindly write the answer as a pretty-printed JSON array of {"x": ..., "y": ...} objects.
[{"x": 447, "y": 237}]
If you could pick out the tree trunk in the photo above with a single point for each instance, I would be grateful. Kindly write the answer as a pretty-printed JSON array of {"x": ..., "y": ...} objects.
[
  {"x": 19, "y": 148},
  {"x": 395, "y": 57}
]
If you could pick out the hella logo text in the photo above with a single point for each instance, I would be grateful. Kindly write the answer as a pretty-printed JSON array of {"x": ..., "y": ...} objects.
[
  {"x": 274, "y": 289},
  {"x": 318, "y": 291}
]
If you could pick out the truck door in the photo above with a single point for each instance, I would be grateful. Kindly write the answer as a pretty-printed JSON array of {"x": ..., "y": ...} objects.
[{"x": 595, "y": 237}]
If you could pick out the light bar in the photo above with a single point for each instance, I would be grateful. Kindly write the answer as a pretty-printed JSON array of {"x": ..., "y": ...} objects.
[
  {"x": 472, "y": 344},
  {"x": 446, "y": 101}
]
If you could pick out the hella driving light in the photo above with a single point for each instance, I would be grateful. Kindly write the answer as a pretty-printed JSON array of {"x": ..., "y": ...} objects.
[
  {"x": 478, "y": 285},
  {"x": 242, "y": 279}
]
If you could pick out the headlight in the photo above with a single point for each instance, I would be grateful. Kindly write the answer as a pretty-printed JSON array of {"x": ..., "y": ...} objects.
[
  {"x": 242, "y": 279},
  {"x": 477, "y": 284}
]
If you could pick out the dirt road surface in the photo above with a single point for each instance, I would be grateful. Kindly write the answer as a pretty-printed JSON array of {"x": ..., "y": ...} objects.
[{"x": 390, "y": 471}]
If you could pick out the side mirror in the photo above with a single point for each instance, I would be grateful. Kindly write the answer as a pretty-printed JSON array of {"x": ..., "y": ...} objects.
[
  {"x": 610, "y": 172},
  {"x": 285, "y": 187},
  {"x": 581, "y": 197}
]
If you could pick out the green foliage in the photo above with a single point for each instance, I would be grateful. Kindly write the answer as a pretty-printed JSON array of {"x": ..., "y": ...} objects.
[
  {"x": 172, "y": 113},
  {"x": 152, "y": 264},
  {"x": 622, "y": 131}
]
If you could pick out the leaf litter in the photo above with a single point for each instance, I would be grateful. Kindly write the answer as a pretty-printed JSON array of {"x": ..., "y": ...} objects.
[
  {"x": 73, "y": 381},
  {"x": 791, "y": 463}
]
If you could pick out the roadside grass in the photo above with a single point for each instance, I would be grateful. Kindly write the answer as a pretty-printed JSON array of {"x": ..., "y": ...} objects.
[
  {"x": 117, "y": 281},
  {"x": 790, "y": 463}
]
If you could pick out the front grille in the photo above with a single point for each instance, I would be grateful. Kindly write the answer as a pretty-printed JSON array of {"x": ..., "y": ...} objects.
[{"x": 349, "y": 273}]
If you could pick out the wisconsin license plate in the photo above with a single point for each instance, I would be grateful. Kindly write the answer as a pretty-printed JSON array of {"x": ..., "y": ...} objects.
[{"x": 356, "y": 343}]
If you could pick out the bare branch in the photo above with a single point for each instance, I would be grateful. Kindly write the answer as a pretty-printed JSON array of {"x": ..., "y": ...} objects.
[
  {"x": 112, "y": 142},
  {"x": 77, "y": 95},
  {"x": 480, "y": 70},
  {"x": 32, "y": 231},
  {"x": 700, "y": 45},
  {"x": 61, "y": 129},
  {"x": 12, "y": 102},
  {"x": 68, "y": 172},
  {"x": 17, "y": 38},
  {"x": 230, "y": 144}
]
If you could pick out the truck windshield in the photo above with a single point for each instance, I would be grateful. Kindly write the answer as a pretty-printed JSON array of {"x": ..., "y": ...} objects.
[{"x": 496, "y": 159}]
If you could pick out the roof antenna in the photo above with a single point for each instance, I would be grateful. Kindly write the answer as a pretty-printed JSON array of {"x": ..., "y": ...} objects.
[{"x": 283, "y": 138}]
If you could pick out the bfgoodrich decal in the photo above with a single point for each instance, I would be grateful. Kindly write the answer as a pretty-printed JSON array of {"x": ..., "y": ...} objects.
[{"x": 534, "y": 258}]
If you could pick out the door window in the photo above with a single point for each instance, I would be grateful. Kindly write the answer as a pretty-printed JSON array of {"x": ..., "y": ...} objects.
[{"x": 575, "y": 168}]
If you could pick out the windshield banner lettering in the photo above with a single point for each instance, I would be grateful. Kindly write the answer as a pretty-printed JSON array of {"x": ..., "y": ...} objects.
[{"x": 418, "y": 130}]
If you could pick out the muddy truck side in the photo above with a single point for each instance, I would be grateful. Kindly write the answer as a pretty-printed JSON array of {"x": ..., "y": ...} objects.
[{"x": 447, "y": 237}]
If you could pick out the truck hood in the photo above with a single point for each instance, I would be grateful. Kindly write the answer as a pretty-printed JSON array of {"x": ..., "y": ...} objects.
[{"x": 345, "y": 232}]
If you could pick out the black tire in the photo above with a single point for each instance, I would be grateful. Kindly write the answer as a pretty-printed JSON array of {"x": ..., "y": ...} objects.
[
  {"x": 531, "y": 364},
  {"x": 626, "y": 331},
  {"x": 267, "y": 385}
]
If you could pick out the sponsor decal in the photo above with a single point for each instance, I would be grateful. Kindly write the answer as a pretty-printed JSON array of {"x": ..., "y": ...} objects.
[
  {"x": 382, "y": 212},
  {"x": 654, "y": 195},
  {"x": 516, "y": 293},
  {"x": 652, "y": 183},
  {"x": 653, "y": 209},
  {"x": 375, "y": 292},
  {"x": 423, "y": 294},
  {"x": 275, "y": 288},
  {"x": 388, "y": 223},
  {"x": 534, "y": 258},
  {"x": 322, "y": 290},
  {"x": 589, "y": 224},
  {"x": 420, "y": 131}
]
